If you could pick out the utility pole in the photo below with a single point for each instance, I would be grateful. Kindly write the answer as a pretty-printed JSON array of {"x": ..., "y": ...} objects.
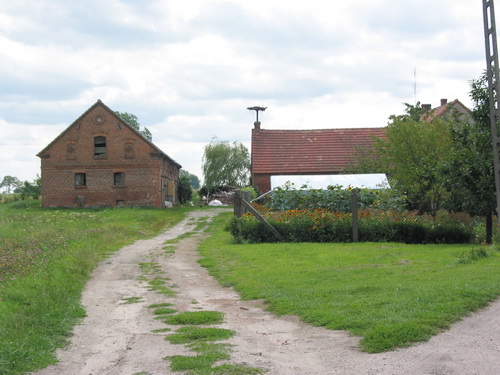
[{"x": 493, "y": 73}]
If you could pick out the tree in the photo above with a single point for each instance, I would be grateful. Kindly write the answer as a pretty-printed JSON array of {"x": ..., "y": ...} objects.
[
  {"x": 193, "y": 179},
  {"x": 225, "y": 164},
  {"x": 368, "y": 159},
  {"x": 414, "y": 154},
  {"x": 10, "y": 183},
  {"x": 470, "y": 174},
  {"x": 133, "y": 121},
  {"x": 30, "y": 189},
  {"x": 185, "y": 192}
]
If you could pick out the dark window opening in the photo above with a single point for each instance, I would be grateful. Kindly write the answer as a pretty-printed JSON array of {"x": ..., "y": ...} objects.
[
  {"x": 99, "y": 146},
  {"x": 120, "y": 203},
  {"x": 80, "y": 179},
  {"x": 119, "y": 179}
]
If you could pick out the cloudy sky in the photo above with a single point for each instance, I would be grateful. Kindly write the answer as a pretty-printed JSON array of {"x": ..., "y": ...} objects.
[{"x": 188, "y": 69}]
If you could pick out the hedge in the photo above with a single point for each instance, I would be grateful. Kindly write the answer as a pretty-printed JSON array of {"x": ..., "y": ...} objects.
[{"x": 325, "y": 226}]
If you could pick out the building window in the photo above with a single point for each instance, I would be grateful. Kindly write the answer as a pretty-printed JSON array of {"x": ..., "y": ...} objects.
[
  {"x": 119, "y": 179},
  {"x": 80, "y": 179},
  {"x": 100, "y": 146}
]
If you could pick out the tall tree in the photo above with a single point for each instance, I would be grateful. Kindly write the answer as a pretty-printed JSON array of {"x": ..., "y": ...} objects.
[
  {"x": 414, "y": 154},
  {"x": 30, "y": 189},
  {"x": 368, "y": 159},
  {"x": 225, "y": 163},
  {"x": 194, "y": 181},
  {"x": 10, "y": 183},
  {"x": 133, "y": 121},
  {"x": 185, "y": 191},
  {"x": 470, "y": 174}
]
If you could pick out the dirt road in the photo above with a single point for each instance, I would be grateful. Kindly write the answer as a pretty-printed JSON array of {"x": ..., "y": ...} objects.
[{"x": 116, "y": 337}]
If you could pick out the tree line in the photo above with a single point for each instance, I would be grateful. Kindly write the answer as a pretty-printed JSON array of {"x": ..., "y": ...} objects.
[
  {"x": 439, "y": 162},
  {"x": 26, "y": 189}
]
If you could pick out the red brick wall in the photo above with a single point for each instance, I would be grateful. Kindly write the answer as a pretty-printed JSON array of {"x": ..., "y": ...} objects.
[
  {"x": 262, "y": 182},
  {"x": 72, "y": 152}
]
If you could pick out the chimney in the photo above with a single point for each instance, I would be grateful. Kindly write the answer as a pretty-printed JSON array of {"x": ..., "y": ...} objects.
[
  {"x": 426, "y": 107},
  {"x": 257, "y": 126},
  {"x": 444, "y": 101}
]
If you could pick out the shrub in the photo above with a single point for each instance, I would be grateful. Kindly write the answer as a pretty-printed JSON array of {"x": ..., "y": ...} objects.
[{"x": 320, "y": 225}]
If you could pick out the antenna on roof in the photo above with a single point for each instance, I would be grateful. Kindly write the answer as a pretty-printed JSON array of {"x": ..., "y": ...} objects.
[
  {"x": 415, "y": 84},
  {"x": 257, "y": 109}
]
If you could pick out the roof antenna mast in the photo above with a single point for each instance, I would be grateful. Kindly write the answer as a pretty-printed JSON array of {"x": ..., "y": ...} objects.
[
  {"x": 257, "y": 110},
  {"x": 415, "y": 84}
]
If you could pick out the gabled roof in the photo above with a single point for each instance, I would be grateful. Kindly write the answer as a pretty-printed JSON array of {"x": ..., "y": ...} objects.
[
  {"x": 99, "y": 103},
  {"x": 309, "y": 151},
  {"x": 455, "y": 107}
]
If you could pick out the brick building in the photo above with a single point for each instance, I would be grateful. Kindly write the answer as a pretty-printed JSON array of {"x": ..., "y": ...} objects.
[
  {"x": 101, "y": 161},
  {"x": 306, "y": 152}
]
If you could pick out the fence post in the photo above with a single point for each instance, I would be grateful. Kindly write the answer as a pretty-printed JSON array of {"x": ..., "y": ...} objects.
[
  {"x": 242, "y": 205},
  {"x": 354, "y": 211},
  {"x": 238, "y": 204}
]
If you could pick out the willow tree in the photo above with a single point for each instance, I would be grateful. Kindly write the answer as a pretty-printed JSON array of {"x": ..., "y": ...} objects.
[{"x": 225, "y": 163}]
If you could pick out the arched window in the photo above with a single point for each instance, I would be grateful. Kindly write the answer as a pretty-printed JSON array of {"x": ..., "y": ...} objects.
[{"x": 99, "y": 146}]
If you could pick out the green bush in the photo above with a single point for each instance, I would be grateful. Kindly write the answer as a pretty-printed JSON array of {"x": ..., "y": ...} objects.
[{"x": 326, "y": 226}]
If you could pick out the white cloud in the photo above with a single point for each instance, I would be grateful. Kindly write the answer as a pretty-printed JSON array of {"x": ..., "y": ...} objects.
[{"x": 190, "y": 69}]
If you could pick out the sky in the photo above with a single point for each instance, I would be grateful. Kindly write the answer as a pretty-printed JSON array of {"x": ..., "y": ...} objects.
[{"x": 188, "y": 69}]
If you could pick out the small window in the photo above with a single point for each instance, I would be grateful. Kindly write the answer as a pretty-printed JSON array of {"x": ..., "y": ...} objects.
[
  {"x": 119, "y": 179},
  {"x": 80, "y": 179},
  {"x": 99, "y": 146}
]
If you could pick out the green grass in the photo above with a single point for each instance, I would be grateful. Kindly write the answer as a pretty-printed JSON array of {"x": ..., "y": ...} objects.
[
  {"x": 179, "y": 238},
  {"x": 392, "y": 295},
  {"x": 190, "y": 334},
  {"x": 46, "y": 257},
  {"x": 157, "y": 284},
  {"x": 156, "y": 305},
  {"x": 161, "y": 330},
  {"x": 191, "y": 363},
  {"x": 201, "y": 341},
  {"x": 195, "y": 318},
  {"x": 131, "y": 300},
  {"x": 164, "y": 311}
]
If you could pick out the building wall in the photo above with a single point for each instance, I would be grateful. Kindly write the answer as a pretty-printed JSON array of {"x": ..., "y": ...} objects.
[
  {"x": 262, "y": 182},
  {"x": 145, "y": 170}
]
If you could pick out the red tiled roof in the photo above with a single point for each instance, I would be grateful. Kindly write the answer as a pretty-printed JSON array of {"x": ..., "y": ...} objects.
[
  {"x": 308, "y": 151},
  {"x": 453, "y": 107}
]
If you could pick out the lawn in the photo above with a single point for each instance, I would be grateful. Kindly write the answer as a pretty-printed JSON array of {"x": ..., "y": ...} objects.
[
  {"x": 390, "y": 294},
  {"x": 46, "y": 257}
]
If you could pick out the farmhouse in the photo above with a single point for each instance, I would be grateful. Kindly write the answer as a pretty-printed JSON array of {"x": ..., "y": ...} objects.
[
  {"x": 306, "y": 152},
  {"x": 101, "y": 161},
  {"x": 454, "y": 109}
]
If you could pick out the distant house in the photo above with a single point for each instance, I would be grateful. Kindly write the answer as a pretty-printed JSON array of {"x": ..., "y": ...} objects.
[
  {"x": 101, "y": 161},
  {"x": 455, "y": 109},
  {"x": 306, "y": 152}
]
